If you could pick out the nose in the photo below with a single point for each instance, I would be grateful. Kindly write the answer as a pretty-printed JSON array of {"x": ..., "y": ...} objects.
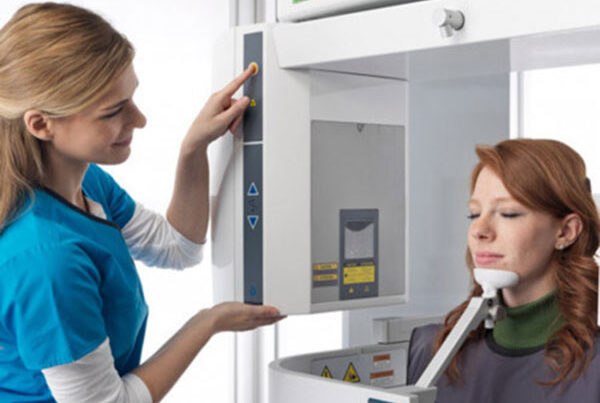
[
  {"x": 481, "y": 229},
  {"x": 138, "y": 119}
]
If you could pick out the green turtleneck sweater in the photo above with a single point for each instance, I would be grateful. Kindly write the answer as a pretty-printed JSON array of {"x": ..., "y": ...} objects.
[{"x": 529, "y": 325}]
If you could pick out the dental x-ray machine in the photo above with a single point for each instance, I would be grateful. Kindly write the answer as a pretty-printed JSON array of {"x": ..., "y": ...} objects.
[{"x": 347, "y": 188}]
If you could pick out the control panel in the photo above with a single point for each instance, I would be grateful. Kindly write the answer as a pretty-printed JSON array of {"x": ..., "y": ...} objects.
[{"x": 253, "y": 173}]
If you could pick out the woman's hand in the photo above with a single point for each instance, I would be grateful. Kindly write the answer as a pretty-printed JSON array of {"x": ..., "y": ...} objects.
[
  {"x": 161, "y": 371},
  {"x": 236, "y": 316},
  {"x": 221, "y": 113}
]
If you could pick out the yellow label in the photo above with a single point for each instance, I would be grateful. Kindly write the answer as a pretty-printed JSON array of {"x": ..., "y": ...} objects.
[
  {"x": 252, "y": 103},
  {"x": 325, "y": 266},
  {"x": 351, "y": 374},
  {"x": 326, "y": 373},
  {"x": 359, "y": 274},
  {"x": 325, "y": 277}
]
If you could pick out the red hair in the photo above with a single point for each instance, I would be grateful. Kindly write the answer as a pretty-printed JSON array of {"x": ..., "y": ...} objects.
[{"x": 550, "y": 177}]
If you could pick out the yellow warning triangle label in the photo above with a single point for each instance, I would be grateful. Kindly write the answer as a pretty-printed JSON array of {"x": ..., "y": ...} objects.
[
  {"x": 351, "y": 374},
  {"x": 326, "y": 373},
  {"x": 252, "y": 103}
]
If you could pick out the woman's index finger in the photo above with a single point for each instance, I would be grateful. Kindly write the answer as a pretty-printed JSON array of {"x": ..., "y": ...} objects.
[{"x": 237, "y": 82}]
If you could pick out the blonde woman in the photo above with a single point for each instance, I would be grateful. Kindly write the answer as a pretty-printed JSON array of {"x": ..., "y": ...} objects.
[{"x": 72, "y": 310}]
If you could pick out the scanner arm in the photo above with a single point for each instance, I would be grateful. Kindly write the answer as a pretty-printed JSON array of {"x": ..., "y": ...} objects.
[{"x": 479, "y": 308}]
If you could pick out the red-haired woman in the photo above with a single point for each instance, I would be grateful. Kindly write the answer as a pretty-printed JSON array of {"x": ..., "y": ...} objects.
[{"x": 532, "y": 213}]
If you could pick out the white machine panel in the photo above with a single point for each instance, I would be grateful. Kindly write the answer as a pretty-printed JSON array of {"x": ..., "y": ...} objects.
[
  {"x": 296, "y": 10},
  {"x": 377, "y": 40},
  {"x": 370, "y": 374},
  {"x": 310, "y": 200}
]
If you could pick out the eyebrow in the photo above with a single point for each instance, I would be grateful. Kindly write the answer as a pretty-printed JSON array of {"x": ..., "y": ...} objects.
[
  {"x": 497, "y": 200},
  {"x": 122, "y": 102}
]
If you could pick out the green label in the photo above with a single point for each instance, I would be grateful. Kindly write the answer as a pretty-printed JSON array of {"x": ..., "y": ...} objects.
[{"x": 298, "y": 1}]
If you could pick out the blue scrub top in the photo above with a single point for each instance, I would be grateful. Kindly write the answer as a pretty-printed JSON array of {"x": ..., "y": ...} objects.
[{"x": 67, "y": 282}]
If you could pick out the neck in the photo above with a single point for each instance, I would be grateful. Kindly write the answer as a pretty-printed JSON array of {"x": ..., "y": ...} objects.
[
  {"x": 64, "y": 176},
  {"x": 529, "y": 325},
  {"x": 529, "y": 291}
]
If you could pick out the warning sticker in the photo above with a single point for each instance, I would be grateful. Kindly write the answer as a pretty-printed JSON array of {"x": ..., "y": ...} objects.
[
  {"x": 325, "y": 274},
  {"x": 351, "y": 374},
  {"x": 325, "y": 266},
  {"x": 326, "y": 373},
  {"x": 359, "y": 274},
  {"x": 325, "y": 277},
  {"x": 382, "y": 374}
]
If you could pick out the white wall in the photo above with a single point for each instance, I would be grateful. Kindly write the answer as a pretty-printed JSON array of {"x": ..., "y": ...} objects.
[{"x": 174, "y": 42}]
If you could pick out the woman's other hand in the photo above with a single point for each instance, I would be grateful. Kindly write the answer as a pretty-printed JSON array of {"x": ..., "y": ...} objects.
[
  {"x": 235, "y": 316},
  {"x": 221, "y": 113}
]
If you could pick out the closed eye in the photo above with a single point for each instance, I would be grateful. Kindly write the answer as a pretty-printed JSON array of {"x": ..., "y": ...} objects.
[
  {"x": 113, "y": 114},
  {"x": 472, "y": 216},
  {"x": 510, "y": 215}
]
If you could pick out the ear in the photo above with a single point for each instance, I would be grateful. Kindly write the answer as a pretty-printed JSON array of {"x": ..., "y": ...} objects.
[
  {"x": 571, "y": 227},
  {"x": 38, "y": 124}
]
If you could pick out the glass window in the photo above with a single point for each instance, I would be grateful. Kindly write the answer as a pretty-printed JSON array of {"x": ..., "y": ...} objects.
[{"x": 563, "y": 104}]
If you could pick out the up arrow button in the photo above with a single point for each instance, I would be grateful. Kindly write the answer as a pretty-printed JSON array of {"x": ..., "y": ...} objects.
[{"x": 253, "y": 191}]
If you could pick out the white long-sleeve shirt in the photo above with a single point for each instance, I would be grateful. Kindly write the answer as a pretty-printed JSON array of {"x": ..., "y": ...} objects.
[{"x": 93, "y": 378}]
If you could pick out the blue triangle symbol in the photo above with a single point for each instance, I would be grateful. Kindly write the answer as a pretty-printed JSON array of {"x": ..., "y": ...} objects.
[
  {"x": 253, "y": 220},
  {"x": 253, "y": 191}
]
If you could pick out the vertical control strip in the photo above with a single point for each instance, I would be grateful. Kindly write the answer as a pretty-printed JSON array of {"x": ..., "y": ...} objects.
[{"x": 253, "y": 174}]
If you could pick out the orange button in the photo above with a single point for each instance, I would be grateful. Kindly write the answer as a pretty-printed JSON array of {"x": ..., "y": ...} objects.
[{"x": 255, "y": 65}]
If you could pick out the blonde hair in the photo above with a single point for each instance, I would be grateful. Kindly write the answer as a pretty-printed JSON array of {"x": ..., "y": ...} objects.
[
  {"x": 56, "y": 58},
  {"x": 548, "y": 176}
]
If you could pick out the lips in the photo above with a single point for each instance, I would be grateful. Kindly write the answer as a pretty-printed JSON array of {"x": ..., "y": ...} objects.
[
  {"x": 483, "y": 258},
  {"x": 124, "y": 143}
]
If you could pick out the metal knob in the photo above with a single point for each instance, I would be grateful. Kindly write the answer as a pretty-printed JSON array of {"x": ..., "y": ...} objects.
[{"x": 448, "y": 21}]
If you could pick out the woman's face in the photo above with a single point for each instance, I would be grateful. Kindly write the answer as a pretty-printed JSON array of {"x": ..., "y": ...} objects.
[
  {"x": 102, "y": 132},
  {"x": 506, "y": 235}
]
